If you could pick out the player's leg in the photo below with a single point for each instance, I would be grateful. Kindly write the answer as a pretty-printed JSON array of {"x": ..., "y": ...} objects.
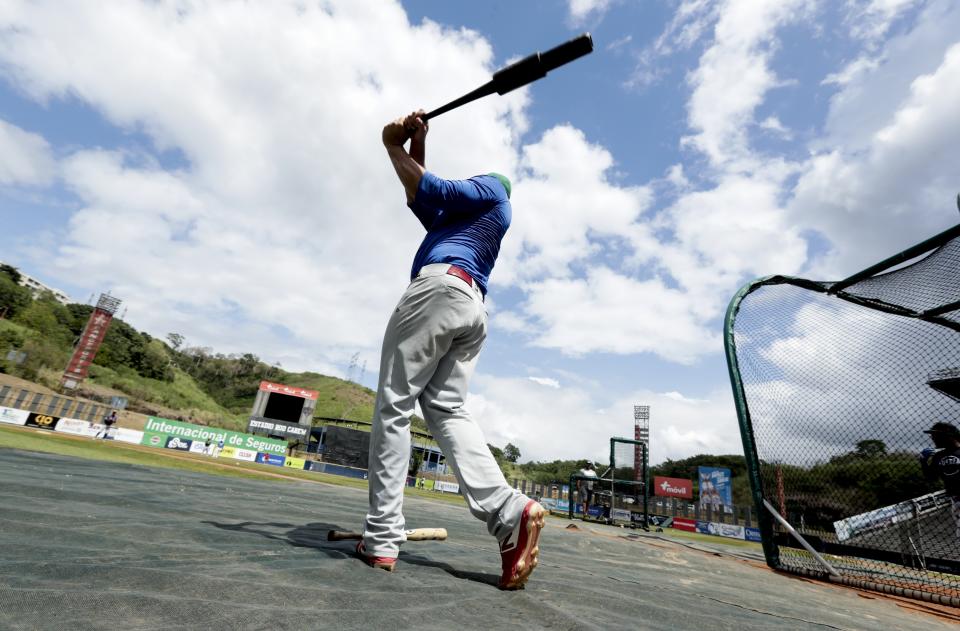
[
  {"x": 419, "y": 333},
  {"x": 482, "y": 484}
]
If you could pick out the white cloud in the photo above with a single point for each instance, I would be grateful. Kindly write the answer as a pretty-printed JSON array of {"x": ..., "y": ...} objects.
[
  {"x": 870, "y": 20},
  {"x": 609, "y": 312},
  {"x": 576, "y": 422},
  {"x": 287, "y": 216},
  {"x": 581, "y": 10},
  {"x": 739, "y": 56},
  {"x": 545, "y": 381},
  {"x": 904, "y": 173},
  {"x": 25, "y": 158},
  {"x": 687, "y": 26}
]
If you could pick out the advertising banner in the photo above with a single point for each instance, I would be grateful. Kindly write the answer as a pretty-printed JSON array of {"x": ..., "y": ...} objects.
[
  {"x": 292, "y": 391},
  {"x": 688, "y": 525},
  {"x": 75, "y": 426},
  {"x": 716, "y": 490},
  {"x": 167, "y": 428},
  {"x": 247, "y": 455},
  {"x": 13, "y": 416},
  {"x": 728, "y": 530},
  {"x": 198, "y": 447},
  {"x": 123, "y": 434},
  {"x": 294, "y": 463},
  {"x": 446, "y": 487},
  {"x": 272, "y": 459},
  {"x": 720, "y": 530},
  {"x": 752, "y": 534},
  {"x": 42, "y": 421},
  {"x": 619, "y": 514},
  {"x": 874, "y": 520},
  {"x": 175, "y": 442},
  {"x": 672, "y": 487}
]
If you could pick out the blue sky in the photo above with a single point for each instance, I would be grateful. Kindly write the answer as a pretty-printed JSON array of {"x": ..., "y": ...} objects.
[{"x": 217, "y": 166}]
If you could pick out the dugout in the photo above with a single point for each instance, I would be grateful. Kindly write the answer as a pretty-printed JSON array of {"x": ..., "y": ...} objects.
[{"x": 347, "y": 442}]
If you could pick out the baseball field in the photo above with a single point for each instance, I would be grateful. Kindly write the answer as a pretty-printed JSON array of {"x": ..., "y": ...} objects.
[{"x": 103, "y": 536}]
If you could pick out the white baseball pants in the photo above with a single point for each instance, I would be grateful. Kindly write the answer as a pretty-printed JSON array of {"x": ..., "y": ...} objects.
[{"x": 430, "y": 349}]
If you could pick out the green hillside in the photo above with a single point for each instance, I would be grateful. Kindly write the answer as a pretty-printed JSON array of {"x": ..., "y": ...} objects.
[{"x": 161, "y": 377}]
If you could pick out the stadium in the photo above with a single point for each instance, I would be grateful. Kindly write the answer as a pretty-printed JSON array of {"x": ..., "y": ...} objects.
[{"x": 400, "y": 314}]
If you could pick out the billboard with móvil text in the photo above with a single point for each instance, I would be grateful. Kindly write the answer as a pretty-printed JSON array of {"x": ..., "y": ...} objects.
[{"x": 672, "y": 487}]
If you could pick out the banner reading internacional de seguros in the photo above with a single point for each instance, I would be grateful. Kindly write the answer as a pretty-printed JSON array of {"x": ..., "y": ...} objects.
[{"x": 157, "y": 430}]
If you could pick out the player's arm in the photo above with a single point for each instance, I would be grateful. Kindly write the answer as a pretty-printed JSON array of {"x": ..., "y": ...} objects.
[
  {"x": 418, "y": 129},
  {"x": 928, "y": 458},
  {"x": 394, "y": 135},
  {"x": 461, "y": 197}
]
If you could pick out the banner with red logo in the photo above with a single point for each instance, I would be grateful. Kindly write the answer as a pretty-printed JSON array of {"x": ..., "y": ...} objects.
[
  {"x": 690, "y": 525},
  {"x": 87, "y": 347},
  {"x": 293, "y": 391},
  {"x": 673, "y": 487}
]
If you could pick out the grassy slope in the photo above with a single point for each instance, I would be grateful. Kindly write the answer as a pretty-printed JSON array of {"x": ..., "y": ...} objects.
[
  {"x": 337, "y": 398},
  {"x": 7, "y": 325}
]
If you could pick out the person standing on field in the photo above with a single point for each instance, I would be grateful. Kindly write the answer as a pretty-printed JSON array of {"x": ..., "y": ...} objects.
[
  {"x": 430, "y": 349},
  {"x": 943, "y": 461},
  {"x": 585, "y": 487}
]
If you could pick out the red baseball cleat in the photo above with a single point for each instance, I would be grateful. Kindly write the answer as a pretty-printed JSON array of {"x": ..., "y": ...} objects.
[
  {"x": 384, "y": 563},
  {"x": 519, "y": 551}
]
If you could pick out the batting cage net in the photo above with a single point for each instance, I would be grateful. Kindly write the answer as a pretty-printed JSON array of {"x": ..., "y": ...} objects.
[
  {"x": 619, "y": 495},
  {"x": 835, "y": 386}
]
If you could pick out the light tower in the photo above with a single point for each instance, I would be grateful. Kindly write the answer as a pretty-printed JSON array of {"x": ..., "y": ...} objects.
[{"x": 641, "y": 432}]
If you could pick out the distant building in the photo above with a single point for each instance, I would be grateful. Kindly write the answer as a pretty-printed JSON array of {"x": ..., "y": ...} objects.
[{"x": 37, "y": 288}]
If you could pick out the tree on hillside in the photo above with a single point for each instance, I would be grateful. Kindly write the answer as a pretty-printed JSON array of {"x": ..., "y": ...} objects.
[
  {"x": 11, "y": 272},
  {"x": 511, "y": 453},
  {"x": 13, "y": 298},
  {"x": 176, "y": 340},
  {"x": 871, "y": 448},
  {"x": 42, "y": 317}
]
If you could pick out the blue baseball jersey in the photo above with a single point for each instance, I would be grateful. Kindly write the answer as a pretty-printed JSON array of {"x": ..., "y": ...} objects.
[{"x": 465, "y": 222}]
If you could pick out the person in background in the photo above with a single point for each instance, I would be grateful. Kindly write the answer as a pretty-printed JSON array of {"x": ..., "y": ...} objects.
[{"x": 943, "y": 462}]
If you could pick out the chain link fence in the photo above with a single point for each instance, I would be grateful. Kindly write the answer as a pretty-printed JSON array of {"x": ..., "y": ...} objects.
[{"x": 837, "y": 385}]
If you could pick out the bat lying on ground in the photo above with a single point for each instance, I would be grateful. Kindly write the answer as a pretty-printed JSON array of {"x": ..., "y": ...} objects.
[
  {"x": 525, "y": 71},
  {"x": 417, "y": 534}
]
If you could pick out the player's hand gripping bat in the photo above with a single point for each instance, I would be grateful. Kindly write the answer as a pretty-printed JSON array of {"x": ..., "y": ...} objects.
[
  {"x": 525, "y": 71},
  {"x": 417, "y": 534}
]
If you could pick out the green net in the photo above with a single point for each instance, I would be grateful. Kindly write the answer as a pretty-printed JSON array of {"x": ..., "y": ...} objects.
[{"x": 835, "y": 384}]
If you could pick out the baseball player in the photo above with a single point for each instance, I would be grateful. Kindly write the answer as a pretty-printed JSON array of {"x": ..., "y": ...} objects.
[
  {"x": 585, "y": 487},
  {"x": 430, "y": 349},
  {"x": 944, "y": 462}
]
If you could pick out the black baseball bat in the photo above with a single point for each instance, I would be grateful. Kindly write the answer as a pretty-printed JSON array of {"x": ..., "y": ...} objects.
[{"x": 525, "y": 71}]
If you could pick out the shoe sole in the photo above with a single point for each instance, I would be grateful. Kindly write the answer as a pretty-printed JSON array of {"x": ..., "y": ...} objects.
[{"x": 531, "y": 553}]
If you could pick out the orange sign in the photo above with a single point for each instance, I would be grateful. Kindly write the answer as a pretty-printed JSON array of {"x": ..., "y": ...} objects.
[{"x": 293, "y": 391}]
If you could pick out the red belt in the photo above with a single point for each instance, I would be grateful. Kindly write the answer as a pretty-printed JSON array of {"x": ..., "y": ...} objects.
[{"x": 461, "y": 274}]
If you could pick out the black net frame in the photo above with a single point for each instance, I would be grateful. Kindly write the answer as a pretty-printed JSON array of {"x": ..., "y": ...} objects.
[{"x": 834, "y": 383}]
